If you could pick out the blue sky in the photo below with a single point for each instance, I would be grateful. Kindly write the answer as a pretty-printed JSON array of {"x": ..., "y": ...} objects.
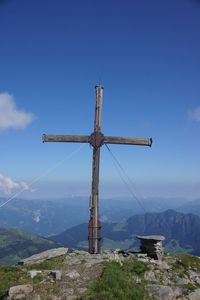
[{"x": 145, "y": 54}]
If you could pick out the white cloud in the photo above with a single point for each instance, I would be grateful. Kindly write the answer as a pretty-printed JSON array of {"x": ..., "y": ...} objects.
[
  {"x": 195, "y": 114},
  {"x": 10, "y": 115},
  {"x": 9, "y": 185}
]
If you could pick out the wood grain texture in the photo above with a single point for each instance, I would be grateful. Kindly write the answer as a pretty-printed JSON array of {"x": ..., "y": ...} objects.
[
  {"x": 127, "y": 141},
  {"x": 65, "y": 138}
]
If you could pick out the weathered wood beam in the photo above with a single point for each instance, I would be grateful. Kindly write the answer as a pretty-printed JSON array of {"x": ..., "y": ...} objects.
[
  {"x": 94, "y": 236},
  {"x": 127, "y": 141},
  {"x": 65, "y": 138}
]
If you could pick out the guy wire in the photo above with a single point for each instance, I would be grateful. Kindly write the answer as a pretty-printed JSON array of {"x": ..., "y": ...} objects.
[
  {"x": 49, "y": 170},
  {"x": 123, "y": 175}
]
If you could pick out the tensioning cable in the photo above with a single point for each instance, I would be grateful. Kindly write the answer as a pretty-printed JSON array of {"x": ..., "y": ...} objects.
[
  {"x": 49, "y": 170},
  {"x": 123, "y": 175}
]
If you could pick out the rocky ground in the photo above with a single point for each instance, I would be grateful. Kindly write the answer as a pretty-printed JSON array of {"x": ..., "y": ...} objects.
[{"x": 73, "y": 275}]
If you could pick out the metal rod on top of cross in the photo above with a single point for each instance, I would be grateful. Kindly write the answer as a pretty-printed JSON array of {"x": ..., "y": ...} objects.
[{"x": 96, "y": 140}]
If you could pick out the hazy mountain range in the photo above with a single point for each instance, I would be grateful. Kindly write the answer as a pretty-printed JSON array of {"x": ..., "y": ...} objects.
[
  {"x": 180, "y": 230},
  {"x": 48, "y": 217}
]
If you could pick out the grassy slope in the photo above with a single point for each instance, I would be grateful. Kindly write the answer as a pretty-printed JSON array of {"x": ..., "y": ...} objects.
[
  {"x": 115, "y": 283},
  {"x": 15, "y": 244}
]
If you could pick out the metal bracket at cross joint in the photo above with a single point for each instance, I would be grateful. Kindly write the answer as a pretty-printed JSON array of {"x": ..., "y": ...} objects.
[{"x": 96, "y": 139}]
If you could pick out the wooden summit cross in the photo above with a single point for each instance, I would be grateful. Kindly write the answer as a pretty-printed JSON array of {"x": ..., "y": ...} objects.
[{"x": 96, "y": 140}]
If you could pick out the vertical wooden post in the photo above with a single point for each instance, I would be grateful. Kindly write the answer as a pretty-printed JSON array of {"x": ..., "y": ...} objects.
[
  {"x": 94, "y": 224},
  {"x": 96, "y": 140}
]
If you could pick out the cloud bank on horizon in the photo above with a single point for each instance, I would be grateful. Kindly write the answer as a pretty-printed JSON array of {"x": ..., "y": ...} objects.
[
  {"x": 9, "y": 185},
  {"x": 11, "y": 116}
]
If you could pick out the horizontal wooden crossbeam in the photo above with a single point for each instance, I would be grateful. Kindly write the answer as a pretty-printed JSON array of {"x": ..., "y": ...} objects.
[
  {"x": 127, "y": 141},
  {"x": 66, "y": 138},
  {"x": 106, "y": 139}
]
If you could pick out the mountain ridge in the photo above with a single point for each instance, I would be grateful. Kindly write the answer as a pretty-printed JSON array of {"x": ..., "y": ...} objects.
[
  {"x": 180, "y": 230},
  {"x": 53, "y": 216},
  {"x": 15, "y": 245}
]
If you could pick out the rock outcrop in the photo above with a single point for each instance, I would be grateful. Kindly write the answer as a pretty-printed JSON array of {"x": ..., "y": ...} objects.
[
  {"x": 20, "y": 291},
  {"x": 171, "y": 278},
  {"x": 43, "y": 256}
]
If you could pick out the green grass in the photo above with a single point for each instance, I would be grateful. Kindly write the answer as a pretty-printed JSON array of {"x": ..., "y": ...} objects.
[
  {"x": 15, "y": 275},
  {"x": 10, "y": 276},
  {"x": 15, "y": 245},
  {"x": 116, "y": 282},
  {"x": 135, "y": 267},
  {"x": 54, "y": 263},
  {"x": 184, "y": 262},
  {"x": 191, "y": 287}
]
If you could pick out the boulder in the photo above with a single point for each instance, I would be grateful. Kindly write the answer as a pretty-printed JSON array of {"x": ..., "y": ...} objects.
[
  {"x": 69, "y": 260},
  {"x": 81, "y": 290},
  {"x": 150, "y": 276},
  {"x": 160, "y": 292},
  {"x": 194, "y": 276},
  {"x": 68, "y": 291},
  {"x": 56, "y": 274},
  {"x": 20, "y": 291},
  {"x": 73, "y": 274},
  {"x": 34, "y": 273},
  {"x": 43, "y": 256},
  {"x": 194, "y": 295}
]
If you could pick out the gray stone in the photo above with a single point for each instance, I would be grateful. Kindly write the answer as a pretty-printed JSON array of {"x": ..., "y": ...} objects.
[
  {"x": 72, "y": 261},
  {"x": 160, "y": 292},
  {"x": 88, "y": 265},
  {"x": 194, "y": 295},
  {"x": 156, "y": 238},
  {"x": 56, "y": 274},
  {"x": 160, "y": 264},
  {"x": 93, "y": 261},
  {"x": 19, "y": 297},
  {"x": 141, "y": 255},
  {"x": 178, "y": 292},
  {"x": 73, "y": 274},
  {"x": 81, "y": 290},
  {"x": 68, "y": 291},
  {"x": 117, "y": 251},
  {"x": 115, "y": 257},
  {"x": 20, "y": 291},
  {"x": 150, "y": 276},
  {"x": 34, "y": 273},
  {"x": 145, "y": 260},
  {"x": 165, "y": 280},
  {"x": 182, "y": 281},
  {"x": 36, "y": 297},
  {"x": 81, "y": 252},
  {"x": 43, "y": 256},
  {"x": 194, "y": 276}
]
